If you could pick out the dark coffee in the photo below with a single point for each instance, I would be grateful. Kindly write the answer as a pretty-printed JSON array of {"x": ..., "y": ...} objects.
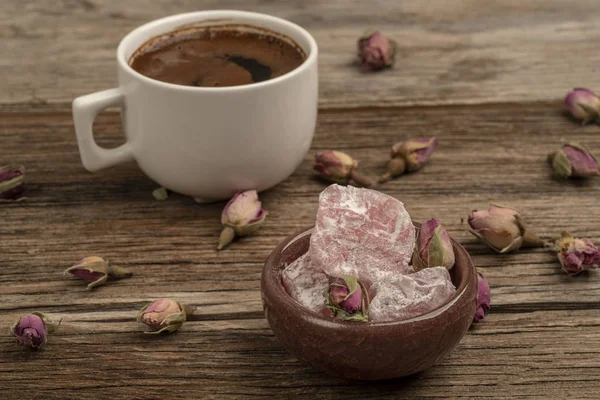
[{"x": 228, "y": 55}]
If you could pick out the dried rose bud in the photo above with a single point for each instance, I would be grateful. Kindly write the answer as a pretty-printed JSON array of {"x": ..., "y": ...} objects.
[
  {"x": 434, "y": 247},
  {"x": 502, "y": 229},
  {"x": 339, "y": 167},
  {"x": 32, "y": 330},
  {"x": 375, "y": 51},
  {"x": 583, "y": 104},
  {"x": 164, "y": 315},
  {"x": 483, "y": 298},
  {"x": 96, "y": 271},
  {"x": 242, "y": 215},
  {"x": 574, "y": 160},
  {"x": 577, "y": 255},
  {"x": 415, "y": 152},
  {"x": 12, "y": 183},
  {"x": 348, "y": 299}
]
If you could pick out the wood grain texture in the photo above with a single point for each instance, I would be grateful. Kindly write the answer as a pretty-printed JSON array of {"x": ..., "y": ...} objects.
[
  {"x": 540, "y": 340},
  {"x": 450, "y": 52}
]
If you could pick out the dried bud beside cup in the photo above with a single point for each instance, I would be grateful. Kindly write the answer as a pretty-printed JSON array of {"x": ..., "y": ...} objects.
[
  {"x": 339, "y": 167},
  {"x": 574, "y": 160},
  {"x": 96, "y": 271},
  {"x": 409, "y": 156},
  {"x": 434, "y": 247},
  {"x": 164, "y": 315},
  {"x": 32, "y": 330},
  {"x": 242, "y": 215},
  {"x": 376, "y": 51},
  {"x": 583, "y": 104},
  {"x": 577, "y": 255},
  {"x": 348, "y": 299},
  {"x": 502, "y": 229}
]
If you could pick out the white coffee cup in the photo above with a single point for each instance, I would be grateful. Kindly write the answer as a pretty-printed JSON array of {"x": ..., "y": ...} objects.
[{"x": 207, "y": 142}]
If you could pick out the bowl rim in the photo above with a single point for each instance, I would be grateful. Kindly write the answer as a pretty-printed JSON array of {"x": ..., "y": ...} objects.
[{"x": 270, "y": 282}]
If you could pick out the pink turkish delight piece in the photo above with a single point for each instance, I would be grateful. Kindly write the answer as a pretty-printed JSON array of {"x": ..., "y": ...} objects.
[
  {"x": 306, "y": 284},
  {"x": 361, "y": 232},
  {"x": 400, "y": 297}
]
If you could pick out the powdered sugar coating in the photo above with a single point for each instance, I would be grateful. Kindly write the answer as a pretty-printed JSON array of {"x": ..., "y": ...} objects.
[
  {"x": 361, "y": 232},
  {"x": 306, "y": 284},
  {"x": 400, "y": 297}
]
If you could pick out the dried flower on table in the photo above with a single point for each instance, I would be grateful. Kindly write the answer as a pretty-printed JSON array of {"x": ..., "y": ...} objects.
[
  {"x": 97, "y": 271},
  {"x": 375, "y": 51},
  {"x": 577, "y": 255},
  {"x": 583, "y": 104},
  {"x": 164, "y": 315},
  {"x": 12, "y": 183},
  {"x": 434, "y": 247},
  {"x": 242, "y": 215},
  {"x": 483, "y": 298},
  {"x": 502, "y": 229},
  {"x": 348, "y": 299},
  {"x": 32, "y": 330},
  {"x": 409, "y": 156},
  {"x": 339, "y": 167},
  {"x": 160, "y": 194},
  {"x": 574, "y": 160}
]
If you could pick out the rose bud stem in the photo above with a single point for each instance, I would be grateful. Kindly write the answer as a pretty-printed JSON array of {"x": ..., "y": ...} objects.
[
  {"x": 360, "y": 179},
  {"x": 396, "y": 167}
]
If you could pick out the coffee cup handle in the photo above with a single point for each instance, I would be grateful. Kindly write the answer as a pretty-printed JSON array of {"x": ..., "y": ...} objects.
[{"x": 85, "y": 110}]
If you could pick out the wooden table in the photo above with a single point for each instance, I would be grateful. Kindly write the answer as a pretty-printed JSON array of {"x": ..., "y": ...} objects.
[{"x": 486, "y": 78}]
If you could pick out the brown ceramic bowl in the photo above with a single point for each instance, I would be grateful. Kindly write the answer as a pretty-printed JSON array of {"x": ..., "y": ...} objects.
[{"x": 373, "y": 350}]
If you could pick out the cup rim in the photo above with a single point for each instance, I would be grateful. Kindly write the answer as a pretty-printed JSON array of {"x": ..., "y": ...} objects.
[
  {"x": 287, "y": 301},
  {"x": 218, "y": 14}
]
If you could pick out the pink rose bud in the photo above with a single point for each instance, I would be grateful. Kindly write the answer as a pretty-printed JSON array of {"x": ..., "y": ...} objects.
[
  {"x": 375, "y": 51},
  {"x": 96, "y": 271},
  {"x": 32, "y": 330},
  {"x": 164, "y": 315},
  {"x": 242, "y": 215},
  {"x": 434, "y": 247},
  {"x": 348, "y": 299},
  {"x": 415, "y": 152},
  {"x": 574, "y": 160},
  {"x": 583, "y": 104},
  {"x": 483, "y": 298},
  {"x": 12, "y": 183},
  {"x": 339, "y": 167},
  {"x": 577, "y": 255},
  {"x": 408, "y": 156},
  {"x": 502, "y": 229}
]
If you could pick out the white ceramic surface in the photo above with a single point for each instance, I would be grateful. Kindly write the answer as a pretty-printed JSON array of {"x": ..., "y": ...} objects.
[{"x": 207, "y": 142}]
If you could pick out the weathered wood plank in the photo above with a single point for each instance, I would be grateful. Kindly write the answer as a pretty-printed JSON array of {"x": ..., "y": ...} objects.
[
  {"x": 450, "y": 52},
  {"x": 551, "y": 354},
  {"x": 484, "y": 154}
]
